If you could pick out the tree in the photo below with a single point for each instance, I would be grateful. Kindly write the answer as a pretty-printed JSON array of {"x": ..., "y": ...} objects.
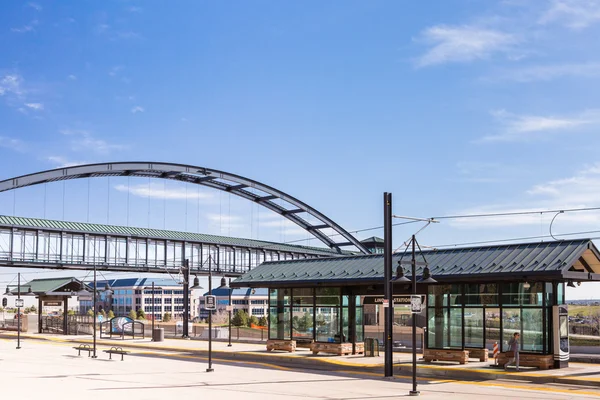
[
  {"x": 110, "y": 315},
  {"x": 253, "y": 320},
  {"x": 33, "y": 309},
  {"x": 221, "y": 317},
  {"x": 90, "y": 312},
  {"x": 240, "y": 318},
  {"x": 141, "y": 314},
  {"x": 132, "y": 315},
  {"x": 167, "y": 317},
  {"x": 71, "y": 312},
  {"x": 262, "y": 321}
]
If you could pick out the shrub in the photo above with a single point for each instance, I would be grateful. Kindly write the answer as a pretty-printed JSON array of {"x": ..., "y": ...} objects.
[
  {"x": 240, "y": 318},
  {"x": 141, "y": 314},
  {"x": 167, "y": 317},
  {"x": 262, "y": 321},
  {"x": 132, "y": 315},
  {"x": 253, "y": 320},
  {"x": 110, "y": 315}
]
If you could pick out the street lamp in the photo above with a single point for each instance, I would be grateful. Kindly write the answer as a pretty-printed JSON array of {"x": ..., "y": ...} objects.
[
  {"x": 229, "y": 289},
  {"x": 158, "y": 288},
  {"x": 108, "y": 291},
  {"x": 425, "y": 278},
  {"x": 19, "y": 305}
]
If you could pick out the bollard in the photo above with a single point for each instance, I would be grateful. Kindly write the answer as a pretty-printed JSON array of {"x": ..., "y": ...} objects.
[{"x": 496, "y": 353}]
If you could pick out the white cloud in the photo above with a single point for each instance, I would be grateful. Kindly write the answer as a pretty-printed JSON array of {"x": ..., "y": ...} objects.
[
  {"x": 549, "y": 72},
  {"x": 574, "y": 14},
  {"x": 11, "y": 84},
  {"x": 578, "y": 191},
  {"x": 11, "y": 143},
  {"x": 463, "y": 44},
  {"x": 72, "y": 77},
  {"x": 85, "y": 141},
  {"x": 35, "y": 6},
  {"x": 35, "y": 106},
  {"x": 158, "y": 191},
  {"x": 137, "y": 109},
  {"x": 26, "y": 28},
  {"x": 529, "y": 127},
  {"x": 134, "y": 9},
  {"x": 63, "y": 162}
]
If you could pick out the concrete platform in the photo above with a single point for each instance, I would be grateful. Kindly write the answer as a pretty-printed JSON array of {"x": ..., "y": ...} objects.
[{"x": 583, "y": 374}]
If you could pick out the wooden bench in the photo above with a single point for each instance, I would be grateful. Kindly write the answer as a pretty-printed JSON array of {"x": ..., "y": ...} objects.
[
  {"x": 116, "y": 350},
  {"x": 83, "y": 347},
  {"x": 528, "y": 360},
  {"x": 460, "y": 356},
  {"x": 482, "y": 354},
  {"x": 283, "y": 345}
]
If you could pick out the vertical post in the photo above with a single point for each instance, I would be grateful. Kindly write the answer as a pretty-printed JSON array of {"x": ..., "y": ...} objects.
[
  {"x": 387, "y": 276},
  {"x": 40, "y": 308},
  {"x": 186, "y": 298},
  {"x": 210, "y": 368},
  {"x": 230, "y": 290},
  {"x": 19, "y": 312},
  {"x": 94, "y": 316},
  {"x": 414, "y": 391},
  {"x": 153, "y": 311},
  {"x": 65, "y": 316}
]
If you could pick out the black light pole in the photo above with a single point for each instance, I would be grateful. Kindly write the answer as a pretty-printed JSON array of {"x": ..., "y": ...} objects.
[
  {"x": 387, "y": 286},
  {"x": 19, "y": 312},
  {"x": 230, "y": 290},
  {"x": 94, "y": 305},
  {"x": 210, "y": 368},
  {"x": 186, "y": 298},
  {"x": 153, "y": 311},
  {"x": 414, "y": 391}
]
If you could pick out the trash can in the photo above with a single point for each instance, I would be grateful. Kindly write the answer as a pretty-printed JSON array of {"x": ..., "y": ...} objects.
[
  {"x": 371, "y": 347},
  {"x": 158, "y": 335}
]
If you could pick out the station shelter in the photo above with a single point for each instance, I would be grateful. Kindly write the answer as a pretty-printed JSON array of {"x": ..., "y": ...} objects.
[
  {"x": 482, "y": 296},
  {"x": 53, "y": 296}
]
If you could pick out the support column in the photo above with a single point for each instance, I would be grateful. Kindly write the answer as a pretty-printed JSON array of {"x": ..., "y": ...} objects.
[
  {"x": 352, "y": 321},
  {"x": 65, "y": 316},
  {"x": 387, "y": 285},
  {"x": 40, "y": 308}
]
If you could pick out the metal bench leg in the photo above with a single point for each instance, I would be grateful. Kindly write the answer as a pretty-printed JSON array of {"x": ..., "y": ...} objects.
[
  {"x": 110, "y": 356},
  {"x": 78, "y": 352},
  {"x": 122, "y": 357}
]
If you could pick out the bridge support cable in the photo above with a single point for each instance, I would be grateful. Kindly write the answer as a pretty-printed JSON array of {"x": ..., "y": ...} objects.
[{"x": 290, "y": 208}]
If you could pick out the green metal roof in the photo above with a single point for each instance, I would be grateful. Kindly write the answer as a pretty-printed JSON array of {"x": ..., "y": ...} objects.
[
  {"x": 41, "y": 286},
  {"x": 160, "y": 234},
  {"x": 492, "y": 262}
]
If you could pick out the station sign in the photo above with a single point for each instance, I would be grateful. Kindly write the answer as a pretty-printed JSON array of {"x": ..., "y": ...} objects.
[
  {"x": 210, "y": 302},
  {"x": 53, "y": 303},
  {"x": 19, "y": 303},
  {"x": 404, "y": 300},
  {"x": 416, "y": 304}
]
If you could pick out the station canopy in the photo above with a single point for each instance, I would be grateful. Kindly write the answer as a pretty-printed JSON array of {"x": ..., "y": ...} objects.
[{"x": 567, "y": 260}]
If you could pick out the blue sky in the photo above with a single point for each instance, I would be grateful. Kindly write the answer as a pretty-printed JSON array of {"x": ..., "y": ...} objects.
[{"x": 455, "y": 107}]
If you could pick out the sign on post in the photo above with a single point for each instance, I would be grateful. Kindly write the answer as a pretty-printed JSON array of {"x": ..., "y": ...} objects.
[
  {"x": 416, "y": 305},
  {"x": 210, "y": 302},
  {"x": 19, "y": 303}
]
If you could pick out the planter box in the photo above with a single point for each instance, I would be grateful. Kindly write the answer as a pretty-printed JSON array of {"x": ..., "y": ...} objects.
[
  {"x": 528, "y": 360},
  {"x": 341, "y": 349},
  {"x": 482, "y": 354},
  {"x": 283, "y": 345},
  {"x": 460, "y": 356}
]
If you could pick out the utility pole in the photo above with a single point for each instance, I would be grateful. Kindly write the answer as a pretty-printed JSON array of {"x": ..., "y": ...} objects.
[{"x": 387, "y": 285}]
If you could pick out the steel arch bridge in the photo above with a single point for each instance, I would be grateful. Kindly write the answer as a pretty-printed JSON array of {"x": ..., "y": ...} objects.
[{"x": 264, "y": 195}]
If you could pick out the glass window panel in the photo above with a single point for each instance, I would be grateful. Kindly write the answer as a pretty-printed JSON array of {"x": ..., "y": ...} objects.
[
  {"x": 481, "y": 294},
  {"x": 302, "y": 322},
  {"x": 560, "y": 293},
  {"x": 328, "y": 329},
  {"x": 492, "y": 327},
  {"x": 437, "y": 327},
  {"x": 532, "y": 336},
  {"x": 345, "y": 324},
  {"x": 303, "y": 296},
  {"x": 359, "y": 324},
  {"x": 328, "y": 296},
  {"x": 439, "y": 295},
  {"x": 474, "y": 327},
  {"x": 511, "y": 323},
  {"x": 273, "y": 297},
  {"x": 279, "y": 320},
  {"x": 549, "y": 300},
  {"x": 514, "y": 294},
  {"x": 455, "y": 332}
]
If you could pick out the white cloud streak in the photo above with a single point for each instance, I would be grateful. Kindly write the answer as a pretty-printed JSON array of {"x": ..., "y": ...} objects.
[
  {"x": 573, "y": 14},
  {"x": 137, "y": 109},
  {"x": 85, "y": 141},
  {"x": 531, "y": 127},
  {"x": 550, "y": 72},
  {"x": 578, "y": 191},
  {"x": 12, "y": 144},
  {"x": 11, "y": 84},
  {"x": 63, "y": 162},
  {"x": 35, "y": 106},
  {"x": 158, "y": 191},
  {"x": 461, "y": 44},
  {"x": 30, "y": 27}
]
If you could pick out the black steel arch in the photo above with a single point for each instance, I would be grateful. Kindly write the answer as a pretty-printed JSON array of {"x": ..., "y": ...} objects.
[{"x": 235, "y": 184}]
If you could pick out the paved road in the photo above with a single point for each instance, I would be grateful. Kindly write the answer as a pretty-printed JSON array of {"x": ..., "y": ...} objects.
[{"x": 48, "y": 370}]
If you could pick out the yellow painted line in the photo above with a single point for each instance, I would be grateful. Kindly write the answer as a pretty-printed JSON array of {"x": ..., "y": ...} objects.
[{"x": 536, "y": 389}]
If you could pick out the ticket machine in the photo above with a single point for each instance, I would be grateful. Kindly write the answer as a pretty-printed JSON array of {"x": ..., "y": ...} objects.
[{"x": 560, "y": 329}]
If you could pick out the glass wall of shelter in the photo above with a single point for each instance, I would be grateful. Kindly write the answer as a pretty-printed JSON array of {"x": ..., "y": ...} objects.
[
  {"x": 476, "y": 315},
  {"x": 315, "y": 314}
]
